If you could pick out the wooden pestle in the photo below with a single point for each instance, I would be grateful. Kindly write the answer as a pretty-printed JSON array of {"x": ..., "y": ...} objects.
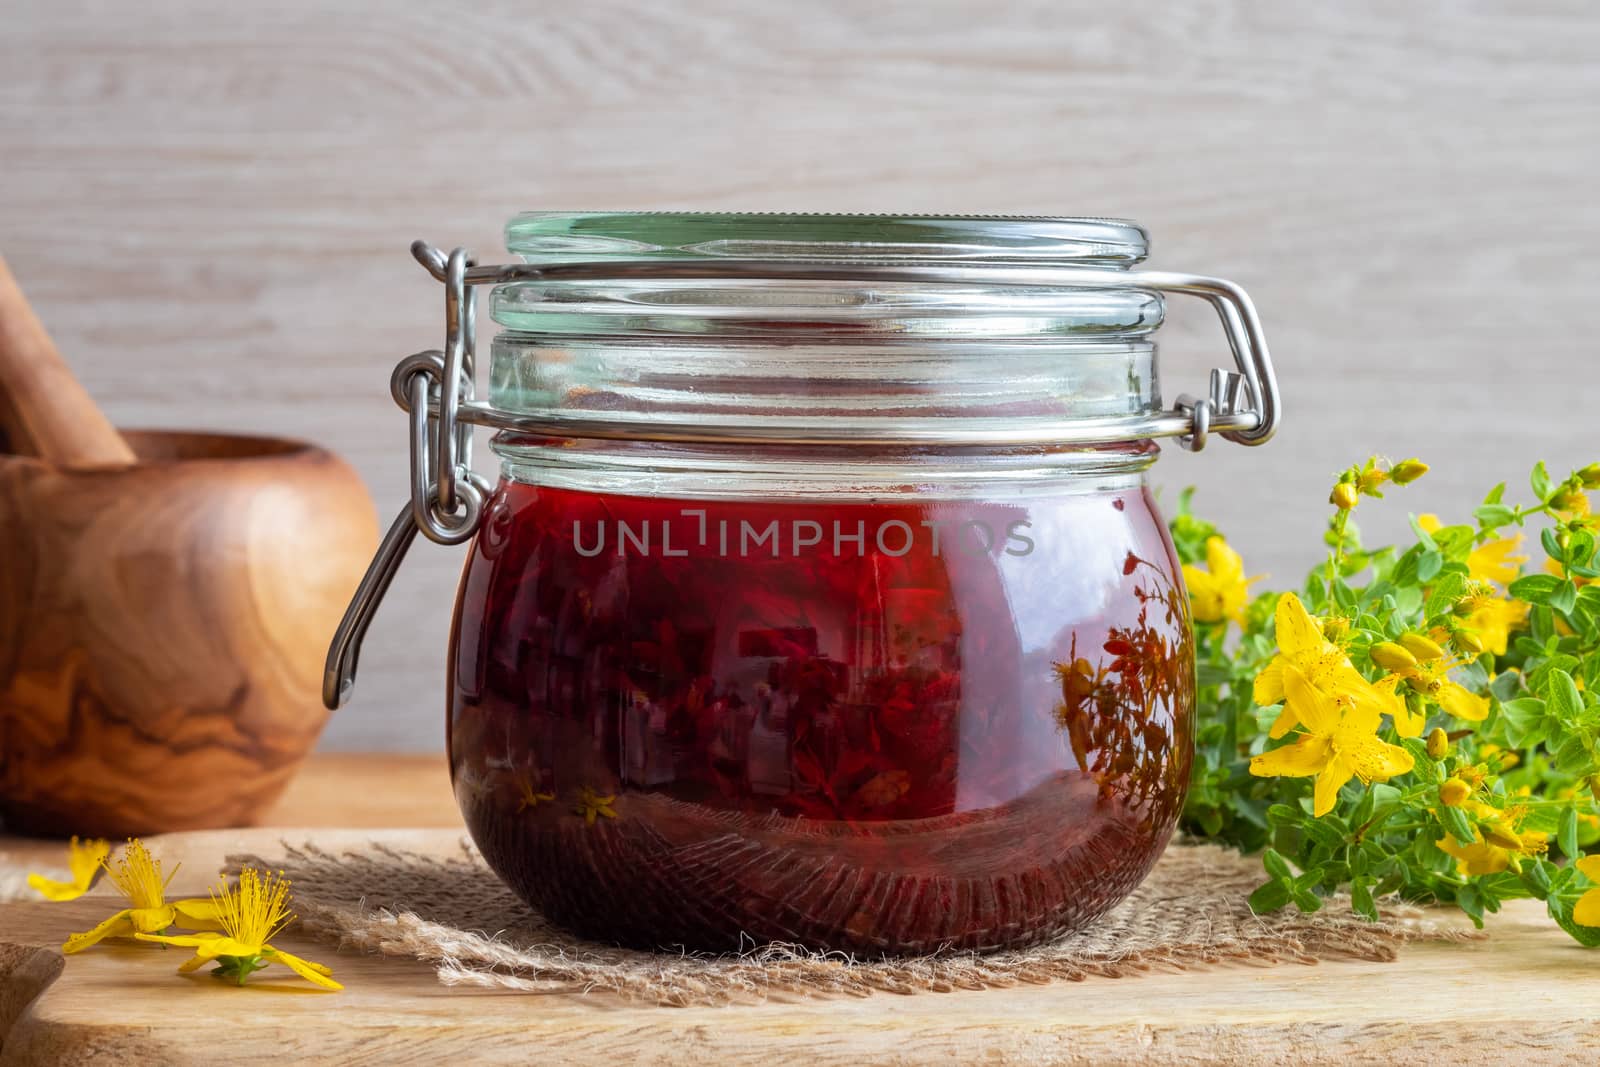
[{"x": 44, "y": 411}]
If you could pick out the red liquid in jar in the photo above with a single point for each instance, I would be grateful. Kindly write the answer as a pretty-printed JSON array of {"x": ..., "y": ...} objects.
[{"x": 872, "y": 742}]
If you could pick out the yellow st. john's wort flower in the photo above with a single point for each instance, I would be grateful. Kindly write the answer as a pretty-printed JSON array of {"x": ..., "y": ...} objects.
[
  {"x": 250, "y": 914},
  {"x": 1303, "y": 646},
  {"x": 1492, "y": 619},
  {"x": 83, "y": 863},
  {"x": 592, "y": 805},
  {"x": 1221, "y": 591},
  {"x": 1424, "y": 667},
  {"x": 1492, "y": 561},
  {"x": 1587, "y": 910},
  {"x": 1497, "y": 845},
  {"x": 137, "y": 875},
  {"x": 1341, "y": 742}
]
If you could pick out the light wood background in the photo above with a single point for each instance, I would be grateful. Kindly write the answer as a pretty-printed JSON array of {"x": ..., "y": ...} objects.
[{"x": 211, "y": 205}]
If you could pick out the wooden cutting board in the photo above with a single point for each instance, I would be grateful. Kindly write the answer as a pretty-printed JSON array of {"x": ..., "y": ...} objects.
[{"x": 1526, "y": 985}]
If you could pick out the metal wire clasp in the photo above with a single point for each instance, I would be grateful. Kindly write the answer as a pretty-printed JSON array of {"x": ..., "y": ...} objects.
[{"x": 447, "y": 496}]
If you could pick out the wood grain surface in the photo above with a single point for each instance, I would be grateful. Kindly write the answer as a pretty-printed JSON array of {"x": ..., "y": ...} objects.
[
  {"x": 211, "y": 206},
  {"x": 162, "y": 629},
  {"x": 123, "y": 1004}
]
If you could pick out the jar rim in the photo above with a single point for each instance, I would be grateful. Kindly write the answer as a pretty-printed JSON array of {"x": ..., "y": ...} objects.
[{"x": 549, "y": 237}]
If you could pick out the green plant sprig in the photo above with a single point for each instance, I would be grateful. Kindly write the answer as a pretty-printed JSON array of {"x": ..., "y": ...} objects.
[{"x": 1500, "y": 798}]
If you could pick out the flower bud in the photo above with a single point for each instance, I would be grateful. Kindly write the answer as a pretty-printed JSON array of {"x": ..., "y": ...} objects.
[
  {"x": 1344, "y": 496},
  {"x": 1424, "y": 648},
  {"x": 1392, "y": 657},
  {"x": 1370, "y": 480},
  {"x": 1469, "y": 642},
  {"x": 1499, "y": 835},
  {"x": 1454, "y": 793},
  {"x": 1589, "y": 477},
  {"x": 1438, "y": 743},
  {"x": 1570, "y": 500},
  {"x": 1407, "y": 471}
]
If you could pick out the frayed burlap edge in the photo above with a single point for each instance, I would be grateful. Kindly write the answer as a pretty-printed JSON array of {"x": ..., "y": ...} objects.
[{"x": 453, "y": 913}]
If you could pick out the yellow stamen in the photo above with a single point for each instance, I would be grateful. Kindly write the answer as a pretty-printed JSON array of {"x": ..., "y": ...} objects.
[{"x": 256, "y": 909}]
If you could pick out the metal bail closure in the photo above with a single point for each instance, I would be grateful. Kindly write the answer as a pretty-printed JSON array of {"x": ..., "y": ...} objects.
[{"x": 435, "y": 389}]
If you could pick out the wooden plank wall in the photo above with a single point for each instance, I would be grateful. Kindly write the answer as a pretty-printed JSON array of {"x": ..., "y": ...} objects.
[{"x": 211, "y": 205}]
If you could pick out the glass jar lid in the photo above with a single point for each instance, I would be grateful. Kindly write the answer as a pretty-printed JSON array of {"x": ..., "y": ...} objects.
[
  {"x": 717, "y": 301},
  {"x": 548, "y": 237}
]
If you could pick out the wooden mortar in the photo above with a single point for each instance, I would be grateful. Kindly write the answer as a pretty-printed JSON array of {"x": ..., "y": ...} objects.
[
  {"x": 165, "y": 603},
  {"x": 163, "y": 626}
]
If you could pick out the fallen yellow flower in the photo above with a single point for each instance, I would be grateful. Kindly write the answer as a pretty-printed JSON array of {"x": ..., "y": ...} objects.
[
  {"x": 1341, "y": 742},
  {"x": 83, "y": 862},
  {"x": 137, "y": 875},
  {"x": 250, "y": 915}
]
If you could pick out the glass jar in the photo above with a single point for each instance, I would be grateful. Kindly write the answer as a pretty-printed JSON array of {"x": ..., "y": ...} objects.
[{"x": 822, "y": 598}]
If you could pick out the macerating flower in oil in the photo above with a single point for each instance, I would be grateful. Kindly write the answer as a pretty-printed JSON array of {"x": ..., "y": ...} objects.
[
  {"x": 250, "y": 914},
  {"x": 529, "y": 796},
  {"x": 138, "y": 877},
  {"x": 593, "y": 805},
  {"x": 84, "y": 859}
]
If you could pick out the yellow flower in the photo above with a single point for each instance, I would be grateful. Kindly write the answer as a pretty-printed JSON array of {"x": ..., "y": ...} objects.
[
  {"x": 528, "y": 798},
  {"x": 1491, "y": 561},
  {"x": 1429, "y": 677},
  {"x": 1587, "y": 911},
  {"x": 137, "y": 875},
  {"x": 1341, "y": 742},
  {"x": 1498, "y": 845},
  {"x": 1301, "y": 644},
  {"x": 591, "y": 805},
  {"x": 83, "y": 861},
  {"x": 1221, "y": 591},
  {"x": 250, "y": 915},
  {"x": 1492, "y": 618}
]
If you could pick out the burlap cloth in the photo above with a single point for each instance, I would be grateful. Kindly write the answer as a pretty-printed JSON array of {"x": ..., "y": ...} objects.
[{"x": 454, "y": 914}]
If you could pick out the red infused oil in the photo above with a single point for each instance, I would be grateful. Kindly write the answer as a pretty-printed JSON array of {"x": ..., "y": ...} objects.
[{"x": 891, "y": 724}]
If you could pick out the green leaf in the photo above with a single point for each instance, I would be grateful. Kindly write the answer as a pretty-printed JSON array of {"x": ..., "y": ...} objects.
[
  {"x": 1455, "y": 821},
  {"x": 1565, "y": 598},
  {"x": 1535, "y": 588},
  {"x": 1429, "y": 564},
  {"x": 1361, "y": 901},
  {"x": 1269, "y": 897},
  {"x": 1523, "y": 721},
  {"x": 1587, "y": 936},
  {"x": 1470, "y": 901},
  {"x": 1307, "y": 901},
  {"x": 1567, "y": 836},
  {"x": 1539, "y": 482},
  {"x": 1552, "y": 545},
  {"x": 1576, "y": 755},
  {"x": 1497, "y": 494},
  {"x": 1449, "y": 588},
  {"x": 1275, "y": 864},
  {"x": 1494, "y": 515},
  {"x": 1562, "y": 693}
]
